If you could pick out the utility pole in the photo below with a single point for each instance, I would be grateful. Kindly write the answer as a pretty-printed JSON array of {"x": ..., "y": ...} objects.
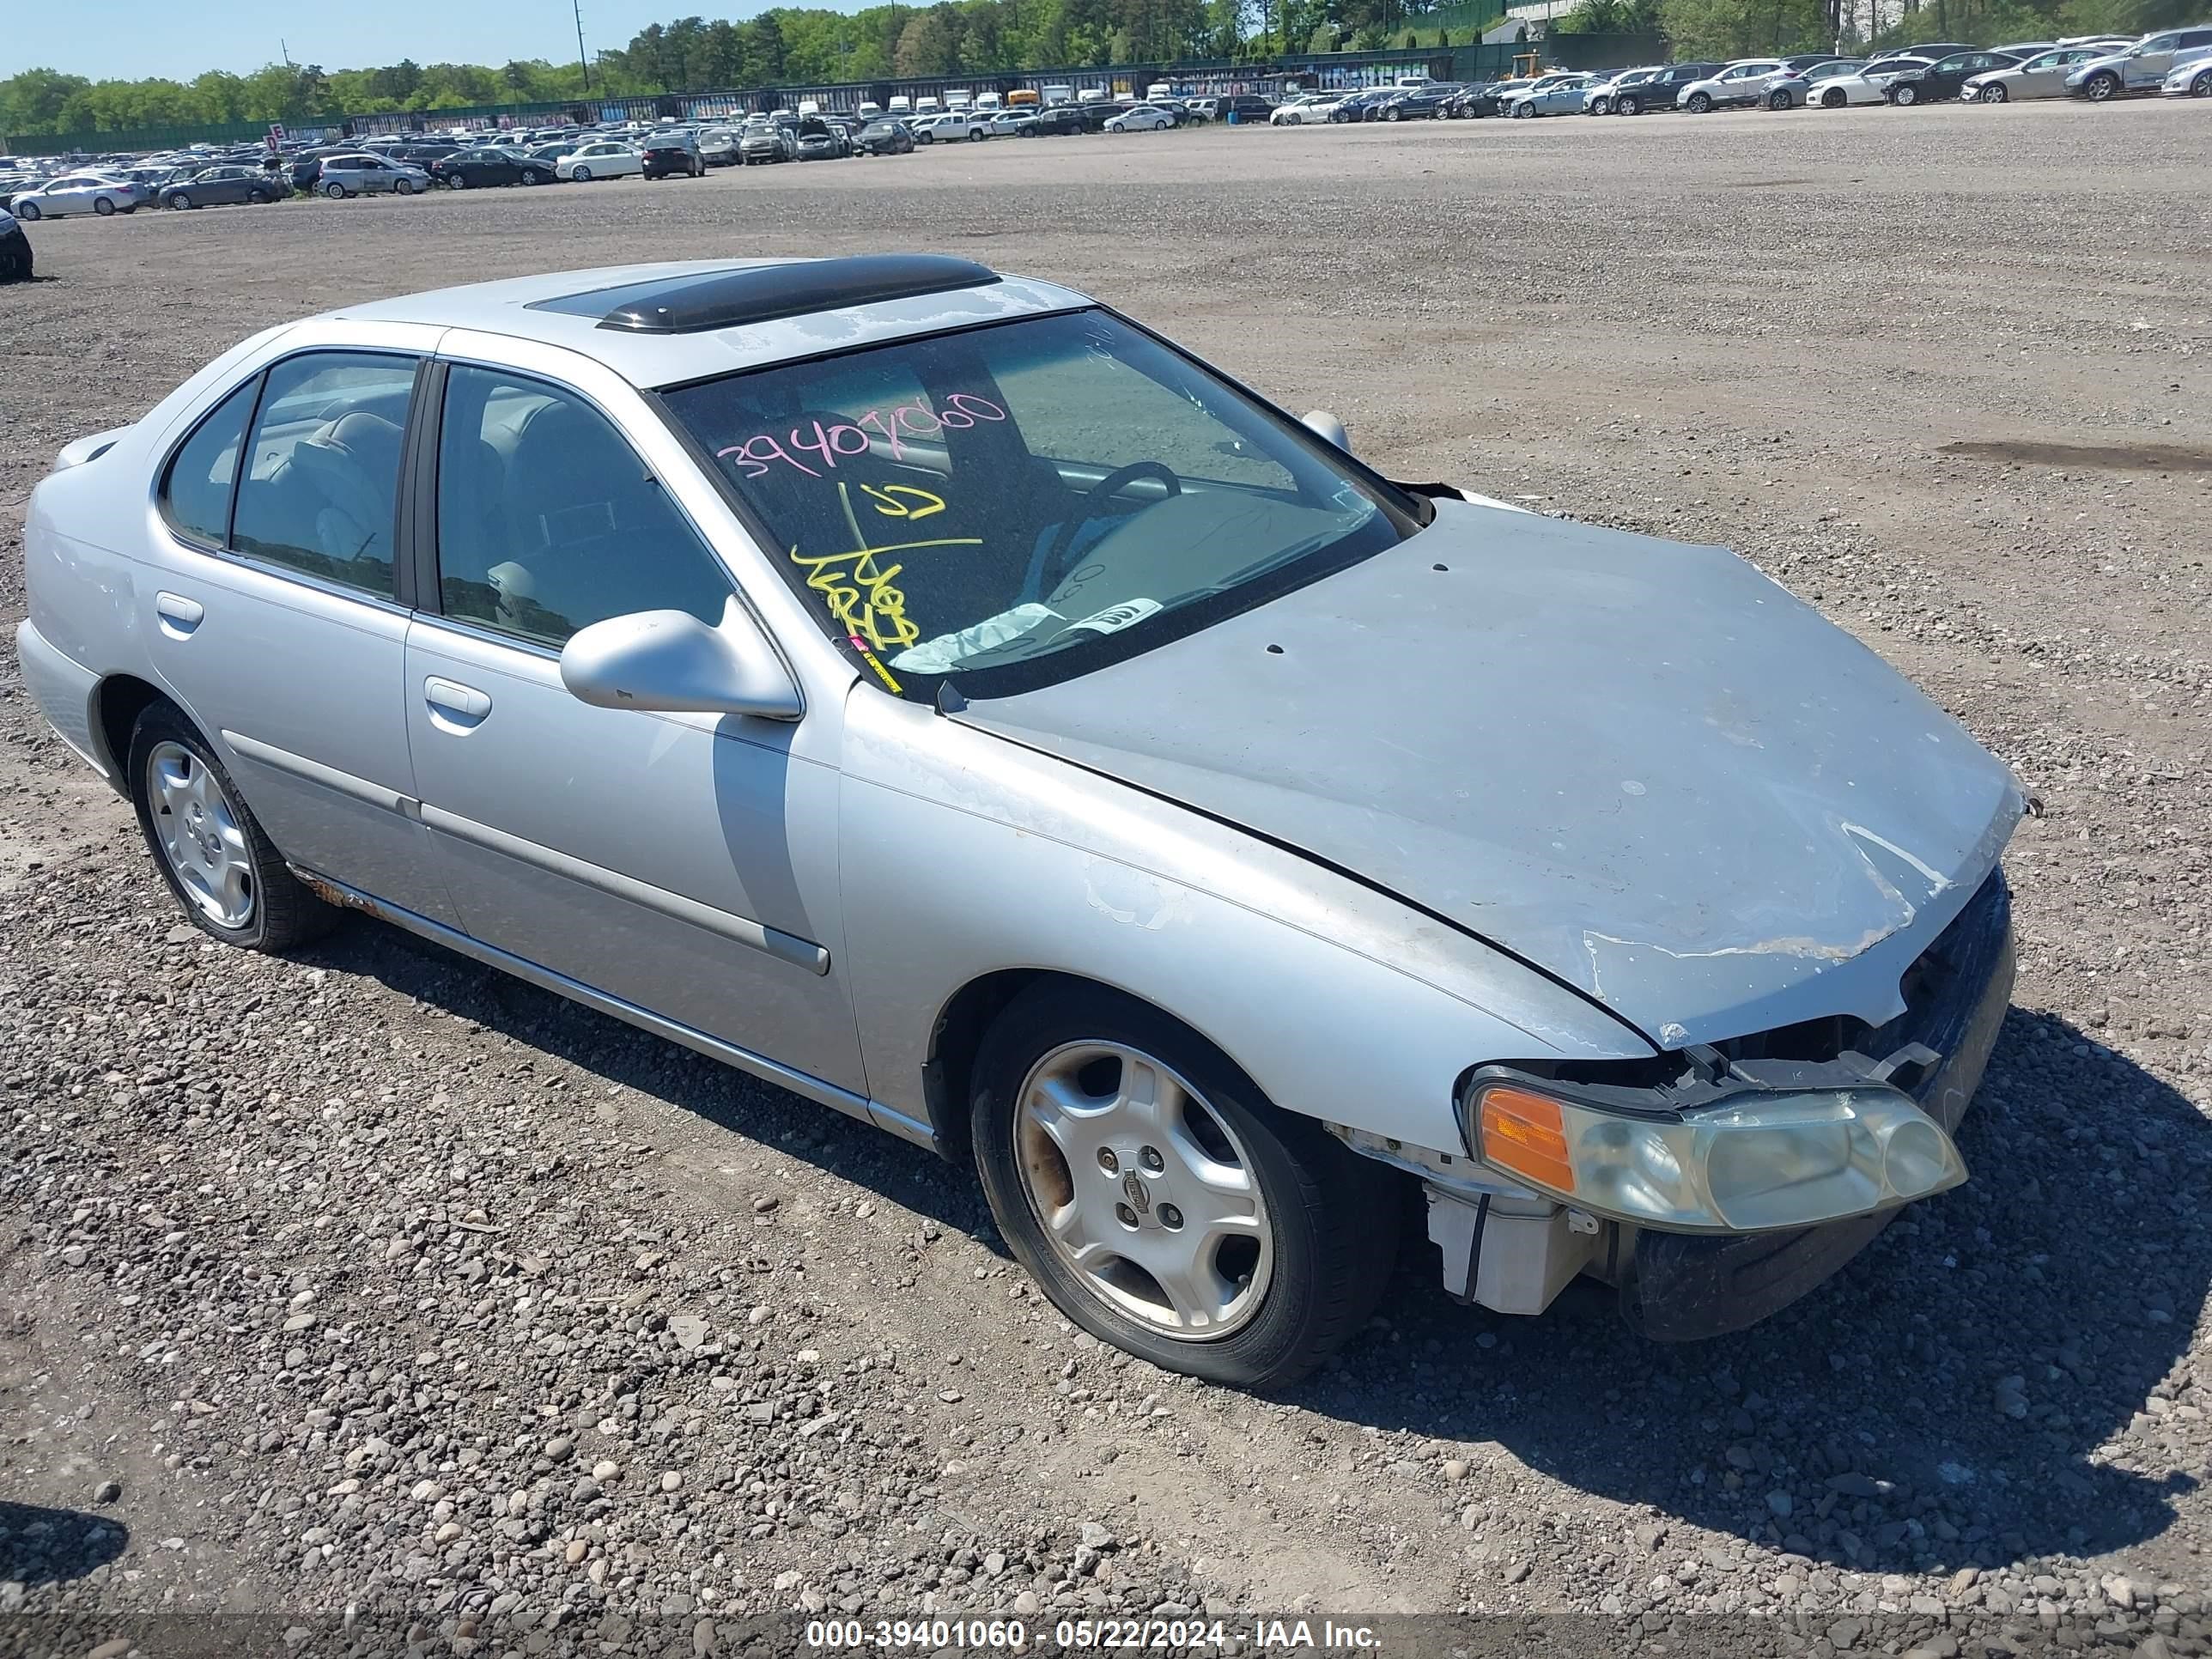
[
  {"x": 582, "y": 62},
  {"x": 284, "y": 52}
]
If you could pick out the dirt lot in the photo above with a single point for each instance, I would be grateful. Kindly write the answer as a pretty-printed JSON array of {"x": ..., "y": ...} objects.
[{"x": 372, "y": 1279}]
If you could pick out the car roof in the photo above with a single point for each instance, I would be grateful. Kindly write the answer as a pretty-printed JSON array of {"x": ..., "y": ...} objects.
[{"x": 809, "y": 308}]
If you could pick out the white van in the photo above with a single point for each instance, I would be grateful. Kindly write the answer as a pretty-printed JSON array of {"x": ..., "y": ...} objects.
[
  {"x": 1058, "y": 96},
  {"x": 868, "y": 111},
  {"x": 1158, "y": 89},
  {"x": 926, "y": 107},
  {"x": 1092, "y": 95},
  {"x": 901, "y": 104},
  {"x": 1412, "y": 82},
  {"x": 810, "y": 106},
  {"x": 988, "y": 100},
  {"x": 958, "y": 100}
]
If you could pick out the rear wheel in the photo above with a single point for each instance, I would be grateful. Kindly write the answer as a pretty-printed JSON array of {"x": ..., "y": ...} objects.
[
  {"x": 207, "y": 844},
  {"x": 1163, "y": 1203},
  {"x": 457, "y": 181},
  {"x": 978, "y": 135},
  {"x": 103, "y": 205},
  {"x": 335, "y": 190}
]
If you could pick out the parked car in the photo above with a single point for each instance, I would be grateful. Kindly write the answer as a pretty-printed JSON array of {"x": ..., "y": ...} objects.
[
  {"x": 717, "y": 147},
  {"x": 76, "y": 192},
  {"x": 1802, "y": 85},
  {"x": 1357, "y": 107},
  {"x": 2040, "y": 76},
  {"x": 1305, "y": 109},
  {"x": 224, "y": 186},
  {"x": 1143, "y": 118},
  {"x": 603, "y": 159},
  {"x": 1663, "y": 90},
  {"x": 672, "y": 156},
  {"x": 363, "y": 174},
  {"x": 951, "y": 126},
  {"x": 1941, "y": 80},
  {"x": 1597, "y": 97},
  {"x": 885, "y": 137},
  {"x": 1054, "y": 120},
  {"x": 1477, "y": 102},
  {"x": 818, "y": 141},
  {"x": 479, "y": 169},
  {"x": 1743, "y": 83},
  {"x": 2190, "y": 75},
  {"x": 17, "y": 262},
  {"x": 1551, "y": 95},
  {"x": 1025, "y": 855},
  {"x": 2143, "y": 68},
  {"x": 1869, "y": 85},
  {"x": 1009, "y": 123},
  {"x": 1421, "y": 103},
  {"x": 770, "y": 141},
  {"x": 1929, "y": 53}
]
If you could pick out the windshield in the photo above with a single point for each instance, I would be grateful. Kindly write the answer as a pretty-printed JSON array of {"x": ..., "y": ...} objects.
[{"x": 1014, "y": 504}]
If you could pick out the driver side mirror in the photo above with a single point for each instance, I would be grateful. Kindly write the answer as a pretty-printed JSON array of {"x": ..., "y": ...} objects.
[
  {"x": 1324, "y": 425},
  {"x": 670, "y": 661}
]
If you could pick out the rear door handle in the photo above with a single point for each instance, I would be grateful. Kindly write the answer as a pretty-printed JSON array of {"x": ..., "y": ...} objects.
[
  {"x": 455, "y": 707},
  {"x": 179, "y": 616}
]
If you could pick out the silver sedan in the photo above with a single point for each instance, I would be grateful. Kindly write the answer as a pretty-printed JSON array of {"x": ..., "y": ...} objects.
[{"x": 934, "y": 692}]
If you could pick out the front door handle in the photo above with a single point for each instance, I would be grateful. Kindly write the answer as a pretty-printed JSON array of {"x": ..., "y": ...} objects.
[
  {"x": 455, "y": 707},
  {"x": 179, "y": 616}
]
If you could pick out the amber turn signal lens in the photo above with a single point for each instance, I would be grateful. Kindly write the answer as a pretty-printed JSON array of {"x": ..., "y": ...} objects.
[{"x": 1523, "y": 1132}]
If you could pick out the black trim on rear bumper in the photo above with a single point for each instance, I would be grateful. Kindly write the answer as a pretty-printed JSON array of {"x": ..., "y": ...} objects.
[{"x": 1682, "y": 1287}]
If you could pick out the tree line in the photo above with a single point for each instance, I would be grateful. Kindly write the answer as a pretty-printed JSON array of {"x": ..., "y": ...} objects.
[{"x": 805, "y": 45}]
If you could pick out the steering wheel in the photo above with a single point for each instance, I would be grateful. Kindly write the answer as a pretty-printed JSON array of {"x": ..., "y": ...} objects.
[{"x": 1055, "y": 561}]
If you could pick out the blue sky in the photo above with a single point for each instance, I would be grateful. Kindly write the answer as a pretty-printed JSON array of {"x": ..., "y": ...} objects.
[{"x": 129, "y": 39}]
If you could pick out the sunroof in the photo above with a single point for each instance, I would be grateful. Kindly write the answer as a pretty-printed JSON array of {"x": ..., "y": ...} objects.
[{"x": 699, "y": 300}]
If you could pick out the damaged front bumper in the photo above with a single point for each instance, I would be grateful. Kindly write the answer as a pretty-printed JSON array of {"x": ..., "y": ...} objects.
[{"x": 1513, "y": 1249}]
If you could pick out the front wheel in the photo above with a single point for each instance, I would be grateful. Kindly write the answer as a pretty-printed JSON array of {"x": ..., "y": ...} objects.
[
  {"x": 209, "y": 847},
  {"x": 1700, "y": 104},
  {"x": 1995, "y": 93},
  {"x": 1835, "y": 98},
  {"x": 581, "y": 175},
  {"x": 1777, "y": 101},
  {"x": 1629, "y": 106},
  {"x": 531, "y": 176},
  {"x": 1906, "y": 97},
  {"x": 27, "y": 212},
  {"x": 402, "y": 186},
  {"x": 1163, "y": 1203},
  {"x": 1392, "y": 115},
  {"x": 2202, "y": 86},
  {"x": 2102, "y": 87},
  {"x": 179, "y": 202}
]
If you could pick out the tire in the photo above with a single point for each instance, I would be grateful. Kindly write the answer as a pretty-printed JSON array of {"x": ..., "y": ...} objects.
[
  {"x": 1630, "y": 104},
  {"x": 2102, "y": 87},
  {"x": 531, "y": 176},
  {"x": 2202, "y": 86},
  {"x": 28, "y": 213},
  {"x": 1995, "y": 93},
  {"x": 457, "y": 181},
  {"x": 335, "y": 190},
  {"x": 1904, "y": 95},
  {"x": 1835, "y": 98},
  {"x": 1700, "y": 103},
  {"x": 282, "y": 913},
  {"x": 1392, "y": 115},
  {"x": 1779, "y": 101},
  {"x": 402, "y": 186},
  {"x": 179, "y": 202},
  {"x": 978, "y": 136},
  {"x": 1296, "y": 1287},
  {"x": 581, "y": 175},
  {"x": 103, "y": 205}
]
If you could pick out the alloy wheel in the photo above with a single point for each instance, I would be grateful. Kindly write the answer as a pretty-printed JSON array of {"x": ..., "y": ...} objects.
[
  {"x": 1143, "y": 1191},
  {"x": 199, "y": 833}
]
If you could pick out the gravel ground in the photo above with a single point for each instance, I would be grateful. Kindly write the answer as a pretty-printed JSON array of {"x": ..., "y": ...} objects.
[{"x": 371, "y": 1281}]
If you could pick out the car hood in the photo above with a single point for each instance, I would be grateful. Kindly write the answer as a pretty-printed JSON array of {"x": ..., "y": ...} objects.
[{"x": 1640, "y": 766}]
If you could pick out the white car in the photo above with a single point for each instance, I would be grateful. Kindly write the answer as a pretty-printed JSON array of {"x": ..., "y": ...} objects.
[
  {"x": 1307, "y": 109},
  {"x": 2142, "y": 67},
  {"x": 1870, "y": 86},
  {"x": 1554, "y": 94},
  {"x": 600, "y": 160},
  {"x": 1143, "y": 118},
  {"x": 1007, "y": 123},
  {"x": 2190, "y": 75},
  {"x": 76, "y": 192},
  {"x": 2042, "y": 76},
  {"x": 1804, "y": 86},
  {"x": 949, "y": 126},
  {"x": 1744, "y": 81}
]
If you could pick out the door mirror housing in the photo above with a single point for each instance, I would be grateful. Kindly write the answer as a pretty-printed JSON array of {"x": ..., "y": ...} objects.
[
  {"x": 1323, "y": 424},
  {"x": 671, "y": 662}
]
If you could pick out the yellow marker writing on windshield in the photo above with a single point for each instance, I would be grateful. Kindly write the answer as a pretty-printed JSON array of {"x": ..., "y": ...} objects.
[{"x": 888, "y": 503}]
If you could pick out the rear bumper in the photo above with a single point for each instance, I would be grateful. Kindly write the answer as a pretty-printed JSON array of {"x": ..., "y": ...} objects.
[
  {"x": 63, "y": 691},
  {"x": 1678, "y": 1287}
]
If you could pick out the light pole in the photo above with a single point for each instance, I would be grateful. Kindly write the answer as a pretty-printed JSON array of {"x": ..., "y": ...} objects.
[{"x": 582, "y": 62}]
